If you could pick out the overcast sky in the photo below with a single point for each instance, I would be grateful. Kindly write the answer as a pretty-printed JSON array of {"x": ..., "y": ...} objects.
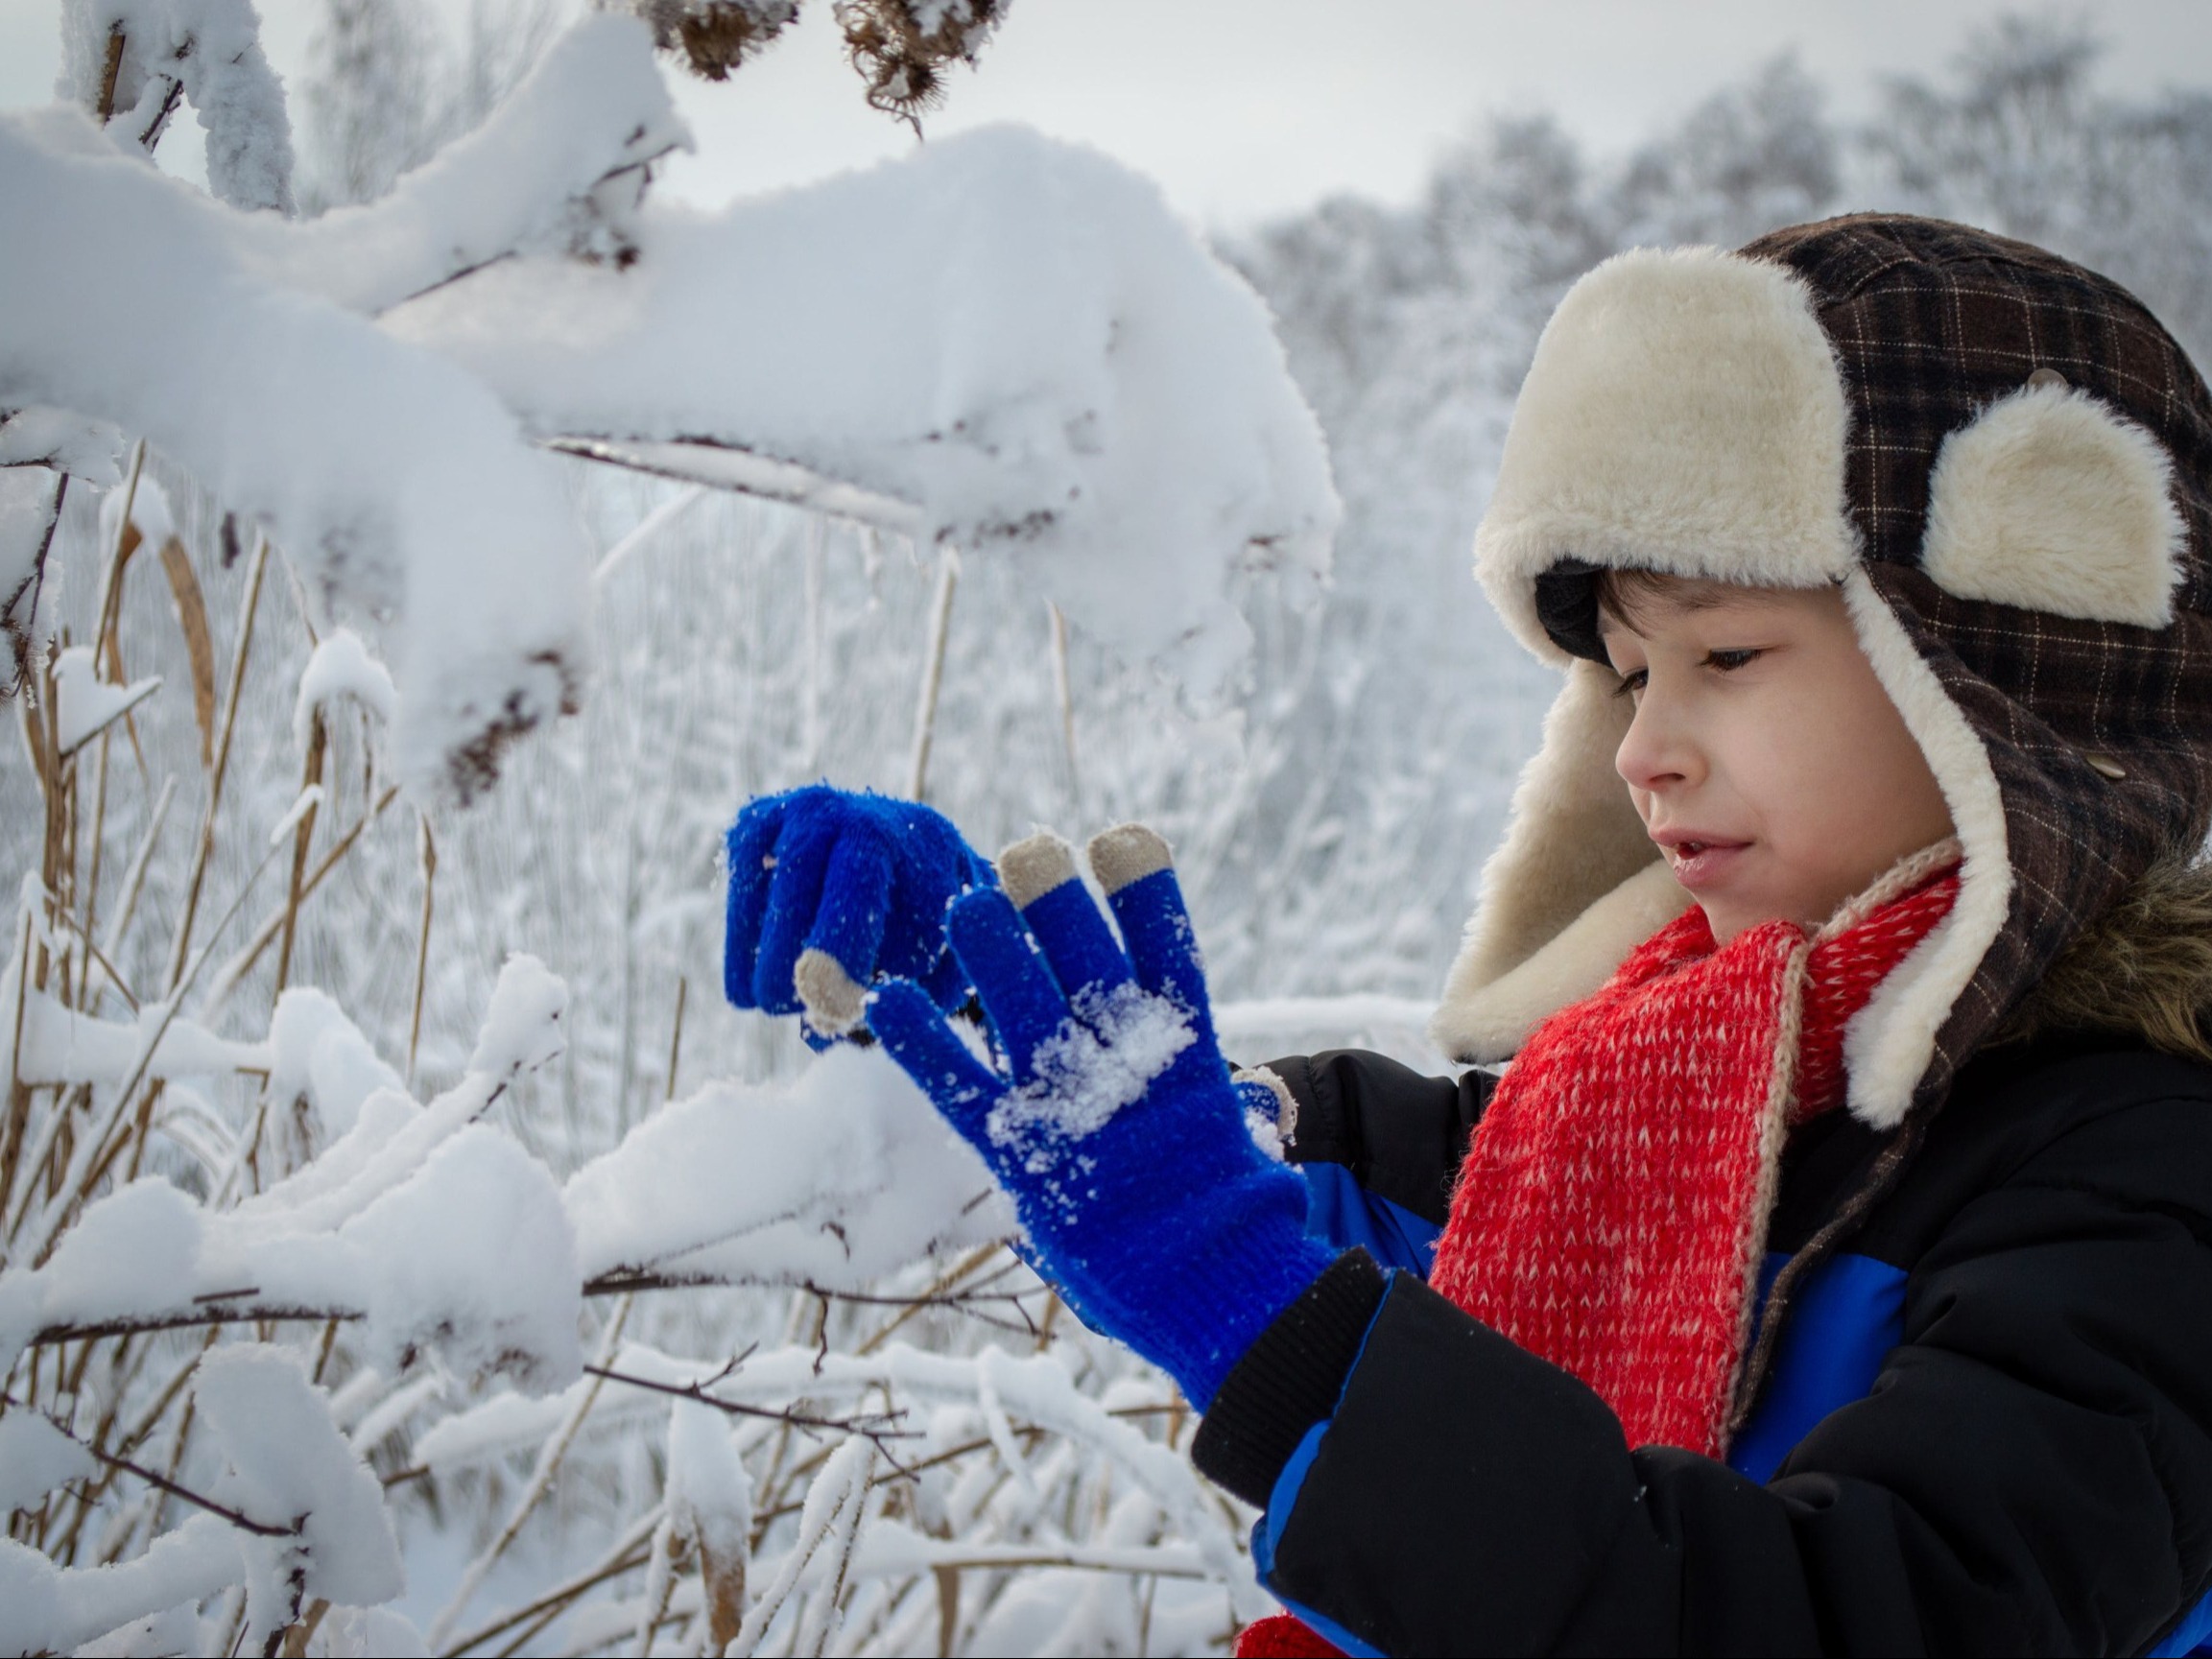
[{"x": 1244, "y": 109}]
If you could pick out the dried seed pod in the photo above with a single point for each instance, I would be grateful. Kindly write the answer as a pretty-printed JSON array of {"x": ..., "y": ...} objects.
[
  {"x": 714, "y": 37},
  {"x": 902, "y": 47}
]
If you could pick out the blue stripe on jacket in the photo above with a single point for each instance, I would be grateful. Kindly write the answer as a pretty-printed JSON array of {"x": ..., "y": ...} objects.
[{"x": 1845, "y": 1318}]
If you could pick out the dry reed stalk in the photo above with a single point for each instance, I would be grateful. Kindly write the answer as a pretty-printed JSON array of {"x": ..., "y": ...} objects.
[
  {"x": 933, "y": 672},
  {"x": 675, "y": 1039},
  {"x": 198, "y": 641},
  {"x": 91, "y": 899},
  {"x": 1064, "y": 690},
  {"x": 107, "y": 605},
  {"x": 242, "y": 963},
  {"x": 426, "y": 857},
  {"x": 625, "y": 1554},
  {"x": 669, "y": 1549},
  {"x": 93, "y": 1153},
  {"x": 113, "y": 67},
  {"x": 182, "y": 945},
  {"x": 18, "y": 1091},
  {"x": 549, "y": 1460},
  {"x": 303, "y": 835},
  {"x": 134, "y": 878}
]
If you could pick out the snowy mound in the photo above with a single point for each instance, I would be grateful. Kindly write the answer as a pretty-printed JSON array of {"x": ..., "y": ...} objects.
[{"x": 1012, "y": 337}]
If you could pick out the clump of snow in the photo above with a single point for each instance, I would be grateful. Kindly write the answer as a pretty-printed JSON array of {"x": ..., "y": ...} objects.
[
  {"x": 63, "y": 1046},
  {"x": 834, "y": 1177},
  {"x": 522, "y": 1027},
  {"x": 393, "y": 482},
  {"x": 46, "y": 1609},
  {"x": 35, "y": 1457},
  {"x": 1015, "y": 335},
  {"x": 210, "y": 52},
  {"x": 317, "y": 1054},
  {"x": 340, "y": 667},
  {"x": 288, "y": 1466},
  {"x": 85, "y": 704},
  {"x": 133, "y": 1250},
  {"x": 1089, "y": 1071},
  {"x": 91, "y": 450},
  {"x": 474, "y": 1257},
  {"x": 556, "y": 169},
  {"x": 151, "y": 514}
]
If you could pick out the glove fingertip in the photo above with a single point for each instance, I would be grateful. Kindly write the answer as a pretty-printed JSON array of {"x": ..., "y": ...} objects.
[
  {"x": 1034, "y": 867},
  {"x": 1127, "y": 853}
]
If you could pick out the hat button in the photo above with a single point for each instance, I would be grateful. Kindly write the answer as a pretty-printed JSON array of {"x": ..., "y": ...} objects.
[
  {"x": 2106, "y": 767},
  {"x": 2044, "y": 378}
]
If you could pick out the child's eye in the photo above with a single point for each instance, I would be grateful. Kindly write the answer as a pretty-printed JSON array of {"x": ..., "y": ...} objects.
[
  {"x": 1632, "y": 683},
  {"x": 1729, "y": 661}
]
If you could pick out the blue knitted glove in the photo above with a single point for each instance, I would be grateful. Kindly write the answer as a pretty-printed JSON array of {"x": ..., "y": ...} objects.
[
  {"x": 1110, "y": 1119},
  {"x": 830, "y": 891}
]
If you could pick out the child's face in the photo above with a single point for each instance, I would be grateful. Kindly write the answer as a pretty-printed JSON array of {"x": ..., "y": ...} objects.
[{"x": 1765, "y": 758}]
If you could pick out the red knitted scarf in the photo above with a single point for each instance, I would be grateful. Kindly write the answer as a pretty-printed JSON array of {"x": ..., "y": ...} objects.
[{"x": 1611, "y": 1213}]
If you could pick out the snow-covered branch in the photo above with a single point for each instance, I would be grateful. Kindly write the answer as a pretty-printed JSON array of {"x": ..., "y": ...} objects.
[{"x": 1001, "y": 340}]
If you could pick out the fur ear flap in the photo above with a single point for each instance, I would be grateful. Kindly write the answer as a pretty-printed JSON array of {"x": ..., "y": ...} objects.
[
  {"x": 1573, "y": 839},
  {"x": 2052, "y": 501}
]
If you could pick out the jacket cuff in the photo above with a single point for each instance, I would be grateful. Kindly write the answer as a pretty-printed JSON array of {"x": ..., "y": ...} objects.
[
  {"x": 1290, "y": 1379},
  {"x": 1316, "y": 1133}
]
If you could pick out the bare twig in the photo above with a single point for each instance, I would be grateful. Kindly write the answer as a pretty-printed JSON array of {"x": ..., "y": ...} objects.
[
  {"x": 199, "y": 1501},
  {"x": 863, "y": 1425}
]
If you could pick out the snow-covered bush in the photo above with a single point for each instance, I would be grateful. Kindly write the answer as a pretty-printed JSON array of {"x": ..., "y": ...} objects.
[
  {"x": 342, "y": 1243},
  {"x": 301, "y": 1352}
]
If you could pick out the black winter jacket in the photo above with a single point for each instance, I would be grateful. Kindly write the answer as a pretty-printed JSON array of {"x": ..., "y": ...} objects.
[{"x": 1982, "y": 1423}]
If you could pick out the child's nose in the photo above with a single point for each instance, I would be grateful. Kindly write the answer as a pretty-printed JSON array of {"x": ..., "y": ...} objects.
[{"x": 1657, "y": 754}]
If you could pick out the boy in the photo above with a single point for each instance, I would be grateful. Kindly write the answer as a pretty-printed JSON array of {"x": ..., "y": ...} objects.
[{"x": 1829, "y": 1271}]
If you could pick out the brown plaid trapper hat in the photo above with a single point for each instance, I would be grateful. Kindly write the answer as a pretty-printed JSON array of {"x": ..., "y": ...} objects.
[{"x": 2005, "y": 463}]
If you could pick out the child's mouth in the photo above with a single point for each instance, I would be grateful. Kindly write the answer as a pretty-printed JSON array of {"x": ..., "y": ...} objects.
[{"x": 1700, "y": 863}]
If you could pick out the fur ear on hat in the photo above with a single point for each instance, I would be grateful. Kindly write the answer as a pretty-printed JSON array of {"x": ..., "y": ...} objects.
[
  {"x": 2051, "y": 501},
  {"x": 1576, "y": 887},
  {"x": 1683, "y": 412}
]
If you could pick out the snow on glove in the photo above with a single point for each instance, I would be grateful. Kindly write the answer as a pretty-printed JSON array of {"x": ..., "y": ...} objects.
[
  {"x": 831, "y": 889},
  {"x": 1110, "y": 1118}
]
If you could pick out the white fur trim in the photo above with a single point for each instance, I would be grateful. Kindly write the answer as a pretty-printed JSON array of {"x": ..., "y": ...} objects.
[
  {"x": 1888, "y": 1043},
  {"x": 2050, "y": 500},
  {"x": 1573, "y": 837},
  {"x": 1489, "y": 1022},
  {"x": 1683, "y": 412}
]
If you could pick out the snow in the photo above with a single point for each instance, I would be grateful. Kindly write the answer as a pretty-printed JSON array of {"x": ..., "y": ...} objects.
[
  {"x": 135, "y": 1248},
  {"x": 593, "y": 109},
  {"x": 288, "y": 1466},
  {"x": 833, "y": 1178},
  {"x": 46, "y": 1609},
  {"x": 305, "y": 802},
  {"x": 151, "y": 513},
  {"x": 475, "y": 1257},
  {"x": 1089, "y": 1071},
  {"x": 92, "y": 450},
  {"x": 394, "y": 483},
  {"x": 85, "y": 704},
  {"x": 340, "y": 667},
  {"x": 212, "y": 48},
  {"x": 1077, "y": 383},
  {"x": 62, "y": 1046},
  {"x": 317, "y": 1054},
  {"x": 522, "y": 1028},
  {"x": 35, "y": 1457}
]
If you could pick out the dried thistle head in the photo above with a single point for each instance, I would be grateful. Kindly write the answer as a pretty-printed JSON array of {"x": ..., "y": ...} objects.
[
  {"x": 714, "y": 37},
  {"x": 902, "y": 47}
]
